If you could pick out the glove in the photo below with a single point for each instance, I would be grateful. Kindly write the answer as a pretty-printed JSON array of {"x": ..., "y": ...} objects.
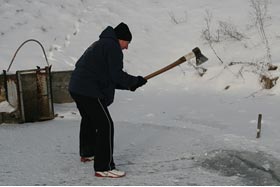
[{"x": 141, "y": 81}]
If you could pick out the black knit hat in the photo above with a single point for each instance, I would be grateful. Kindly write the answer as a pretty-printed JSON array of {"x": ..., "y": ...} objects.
[{"x": 122, "y": 32}]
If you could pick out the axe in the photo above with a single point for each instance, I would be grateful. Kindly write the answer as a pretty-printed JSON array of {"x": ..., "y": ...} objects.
[{"x": 200, "y": 59}]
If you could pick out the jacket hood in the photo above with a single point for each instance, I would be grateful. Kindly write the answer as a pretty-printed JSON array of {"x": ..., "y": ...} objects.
[{"x": 109, "y": 33}]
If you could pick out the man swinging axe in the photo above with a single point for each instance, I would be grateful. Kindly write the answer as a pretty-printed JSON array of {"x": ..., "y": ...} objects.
[{"x": 97, "y": 74}]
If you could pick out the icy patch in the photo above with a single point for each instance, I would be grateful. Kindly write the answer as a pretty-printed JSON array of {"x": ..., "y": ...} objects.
[{"x": 255, "y": 168}]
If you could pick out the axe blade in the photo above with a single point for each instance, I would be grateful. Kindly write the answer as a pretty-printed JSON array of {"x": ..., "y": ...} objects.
[{"x": 200, "y": 58}]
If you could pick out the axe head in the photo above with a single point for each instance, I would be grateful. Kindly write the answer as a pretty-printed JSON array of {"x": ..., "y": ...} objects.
[{"x": 200, "y": 58}]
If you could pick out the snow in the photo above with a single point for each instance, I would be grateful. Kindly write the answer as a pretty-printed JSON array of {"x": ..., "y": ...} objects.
[
  {"x": 180, "y": 128},
  {"x": 6, "y": 107}
]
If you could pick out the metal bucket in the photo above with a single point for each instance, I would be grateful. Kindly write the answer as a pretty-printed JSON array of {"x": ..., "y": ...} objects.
[{"x": 28, "y": 92}]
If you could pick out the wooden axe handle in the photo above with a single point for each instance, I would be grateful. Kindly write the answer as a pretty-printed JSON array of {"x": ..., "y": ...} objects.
[{"x": 172, "y": 65}]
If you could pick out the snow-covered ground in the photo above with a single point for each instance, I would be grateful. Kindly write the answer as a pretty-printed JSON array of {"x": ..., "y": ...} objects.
[{"x": 180, "y": 128}]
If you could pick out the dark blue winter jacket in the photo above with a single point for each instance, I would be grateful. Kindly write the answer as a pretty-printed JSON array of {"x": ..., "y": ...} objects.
[{"x": 99, "y": 71}]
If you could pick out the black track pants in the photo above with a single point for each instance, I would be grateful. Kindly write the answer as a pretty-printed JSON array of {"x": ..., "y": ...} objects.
[{"x": 96, "y": 132}]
